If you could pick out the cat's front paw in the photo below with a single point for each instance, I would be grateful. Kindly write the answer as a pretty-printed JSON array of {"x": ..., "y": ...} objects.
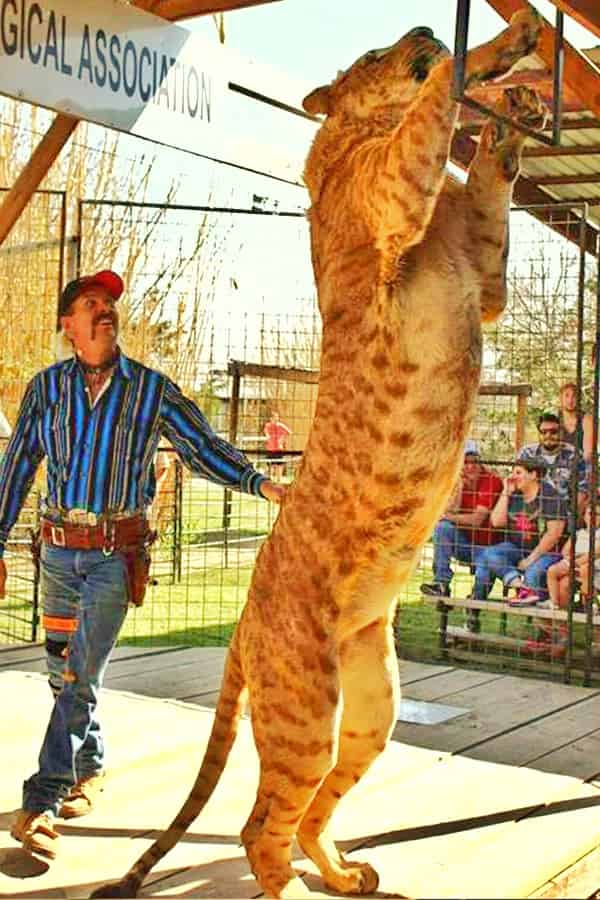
[{"x": 525, "y": 106}]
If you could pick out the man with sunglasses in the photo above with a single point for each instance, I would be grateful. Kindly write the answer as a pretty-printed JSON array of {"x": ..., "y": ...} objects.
[{"x": 559, "y": 458}]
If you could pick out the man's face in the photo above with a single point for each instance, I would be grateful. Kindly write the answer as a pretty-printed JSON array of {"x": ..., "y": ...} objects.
[
  {"x": 471, "y": 466},
  {"x": 568, "y": 399},
  {"x": 92, "y": 322},
  {"x": 549, "y": 436}
]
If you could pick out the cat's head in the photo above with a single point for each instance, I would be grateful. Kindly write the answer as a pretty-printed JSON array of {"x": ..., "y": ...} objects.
[{"x": 385, "y": 78}]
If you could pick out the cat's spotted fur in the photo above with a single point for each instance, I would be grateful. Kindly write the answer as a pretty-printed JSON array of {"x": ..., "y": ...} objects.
[{"x": 407, "y": 264}]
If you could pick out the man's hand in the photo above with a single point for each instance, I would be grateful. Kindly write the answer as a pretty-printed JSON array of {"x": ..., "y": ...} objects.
[
  {"x": 2, "y": 578},
  {"x": 272, "y": 491}
]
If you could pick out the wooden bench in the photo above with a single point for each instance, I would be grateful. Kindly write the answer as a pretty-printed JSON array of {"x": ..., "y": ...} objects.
[{"x": 446, "y": 604}]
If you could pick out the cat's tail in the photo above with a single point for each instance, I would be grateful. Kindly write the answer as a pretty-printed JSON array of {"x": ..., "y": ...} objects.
[{"x": 222, "y": 736}]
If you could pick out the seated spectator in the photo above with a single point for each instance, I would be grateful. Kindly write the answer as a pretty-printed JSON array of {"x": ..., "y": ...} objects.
[
  {"x": 567, "y": 400},
  {"x": 558, "y": 459},
  {"x": 534, "y": 515},
  {"x": 464, "y": 531},
  {"x": 558, "y": 578},
  {"x": 558, "y": 574}
]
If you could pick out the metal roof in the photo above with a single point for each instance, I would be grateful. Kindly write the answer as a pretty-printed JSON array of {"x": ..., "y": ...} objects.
[{"x": 570, "y": 171}]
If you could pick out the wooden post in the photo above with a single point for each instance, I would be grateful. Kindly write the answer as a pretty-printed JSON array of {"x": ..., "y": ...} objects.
[
  {"x": 34, "y": 172},
  {"x": 520, "y": 425}
]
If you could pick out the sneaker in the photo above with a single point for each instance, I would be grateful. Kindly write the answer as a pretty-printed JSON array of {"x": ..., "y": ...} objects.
[
  {"x": 436, "y": 589},
  {"x": 546, "y": 604},
  {"x": 35, "y": 830},
  {"x": 544, "y": 647},
  {"x": 81, "y": 798},
  {"x": 526, "y": 597}
]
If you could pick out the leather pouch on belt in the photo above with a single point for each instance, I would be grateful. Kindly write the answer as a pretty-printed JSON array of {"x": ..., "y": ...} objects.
[{"x": 137, "y": 566}]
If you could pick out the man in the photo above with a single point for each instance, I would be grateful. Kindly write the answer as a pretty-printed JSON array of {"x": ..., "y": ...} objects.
[
  {"x": 97, "y": 417},
  {"x": 277, "y": 435},
  {"x": 567, "y": 400},
  {"x": 464, "y": 531},
  {"x": 558, "y": 458}
]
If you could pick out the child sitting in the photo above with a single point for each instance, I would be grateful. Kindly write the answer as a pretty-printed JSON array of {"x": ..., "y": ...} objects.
[
  {"x": 558, "y": 581},
  {"x": 558, "y": 574}
]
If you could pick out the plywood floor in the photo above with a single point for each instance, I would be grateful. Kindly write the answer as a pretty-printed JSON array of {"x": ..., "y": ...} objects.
[{"x": 435, "y": 820}]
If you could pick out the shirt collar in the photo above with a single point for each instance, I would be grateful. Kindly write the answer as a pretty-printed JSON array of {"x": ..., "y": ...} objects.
[{"x": 123, "y": 366}]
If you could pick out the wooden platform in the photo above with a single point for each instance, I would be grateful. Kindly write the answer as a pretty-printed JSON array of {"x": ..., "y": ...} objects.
[{"x": 503, "y": 801}]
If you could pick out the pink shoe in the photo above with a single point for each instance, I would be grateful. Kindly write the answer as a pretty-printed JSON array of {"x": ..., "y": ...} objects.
[{"x": 526, "y": 597}]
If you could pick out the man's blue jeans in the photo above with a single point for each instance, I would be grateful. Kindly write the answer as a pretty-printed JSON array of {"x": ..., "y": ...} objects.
[
  {"x": 91, "y": 587},
  {"x": 500, "y": 561},
  {"x": 450, "y": 542}
]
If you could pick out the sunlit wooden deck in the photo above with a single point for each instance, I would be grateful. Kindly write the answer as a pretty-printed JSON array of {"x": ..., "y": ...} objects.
[{"x": 500, "y": 801}]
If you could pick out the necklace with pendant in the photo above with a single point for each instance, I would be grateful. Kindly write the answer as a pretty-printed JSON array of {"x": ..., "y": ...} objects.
[{"x": 99, "y": 369}]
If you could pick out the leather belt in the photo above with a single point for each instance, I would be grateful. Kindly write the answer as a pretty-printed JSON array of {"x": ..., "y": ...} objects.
[{"x": 108, "y": 536}]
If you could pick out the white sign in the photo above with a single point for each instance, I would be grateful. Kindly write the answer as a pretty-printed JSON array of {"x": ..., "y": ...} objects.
[{"x": 110, "y": 63}]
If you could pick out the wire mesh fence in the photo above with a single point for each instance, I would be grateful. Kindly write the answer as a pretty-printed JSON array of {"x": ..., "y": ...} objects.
[
  {"x": 31, "y": 264},
  {"x": 244, "y": 341}
]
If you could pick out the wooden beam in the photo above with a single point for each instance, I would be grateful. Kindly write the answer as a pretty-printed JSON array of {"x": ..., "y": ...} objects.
[
  {"x": 586, "y": 12},
  {"x": 566, "y": 179},
  {"x": 571, "y": 150},
  {"x": 475, "y": 126},
  {"x": 177, "y": 10},
  {"x": 577, "y": 201},
  {"x": 580, "y": 74},
  {"x": 281, "y": 373},
  {"x": 34, "y": 172}
]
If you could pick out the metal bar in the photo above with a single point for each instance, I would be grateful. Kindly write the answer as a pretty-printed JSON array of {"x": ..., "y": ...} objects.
[
  {"x": 461, "y": 34},
  {"x": 79, "y": 238},
  {"x": 271, "y": 101},
  {"x": 557, "y": 81},
  {"x": 488, "y": 111},
  {"x": 234, "y": 417},
  {"x": 55, "y": 192},
  {"x": 131, "y": 204},
  {"x": 593, "y": 475},
  {"x": 578, "y": 456},
  {"x": 61, "y": 249},
  {"x": 178, "y": 521}
]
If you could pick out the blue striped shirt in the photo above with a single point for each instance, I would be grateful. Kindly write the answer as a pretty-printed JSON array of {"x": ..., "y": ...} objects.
[{"x": 99, "y": 458}]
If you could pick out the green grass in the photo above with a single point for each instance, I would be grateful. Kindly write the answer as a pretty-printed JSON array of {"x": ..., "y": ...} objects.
[{"x": 203, "y": 608}]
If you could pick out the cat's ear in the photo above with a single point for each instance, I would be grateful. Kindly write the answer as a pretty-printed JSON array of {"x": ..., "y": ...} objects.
[{"x": 317, "y": 102}]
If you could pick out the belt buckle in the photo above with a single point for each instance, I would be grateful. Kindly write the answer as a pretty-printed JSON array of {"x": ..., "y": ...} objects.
[
  {"x": 57, "y": 533},
  {"x": 82, "y": 517}
]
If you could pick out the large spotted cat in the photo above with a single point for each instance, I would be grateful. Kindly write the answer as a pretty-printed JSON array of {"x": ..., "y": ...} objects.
[{"x": 408, "y": 263}]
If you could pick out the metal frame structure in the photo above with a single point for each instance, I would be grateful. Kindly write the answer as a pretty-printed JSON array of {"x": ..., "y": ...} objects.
[
  {"x": 460, "y": 52},
  {"x": 571, "y": 155}
]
